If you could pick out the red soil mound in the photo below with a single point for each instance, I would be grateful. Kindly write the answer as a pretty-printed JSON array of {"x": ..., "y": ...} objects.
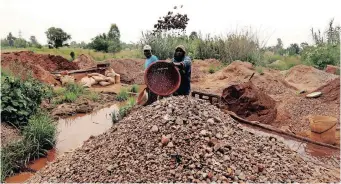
[
  {"x": 84, "y": 61},
  {"x": 131, "y": 70},
  {"x": 21, "y": 63},
  {"x": 331, "y": 91}
]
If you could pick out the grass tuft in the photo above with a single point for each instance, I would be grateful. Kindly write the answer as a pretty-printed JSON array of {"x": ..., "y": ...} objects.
[
  {"x": 134, "y": 88},
  {"x": 38, "y": 137},
  {"x": 122, "y": 95}
]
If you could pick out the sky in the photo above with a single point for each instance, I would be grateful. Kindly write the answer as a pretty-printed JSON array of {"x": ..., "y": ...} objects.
[{"x": 290, "y": 20}]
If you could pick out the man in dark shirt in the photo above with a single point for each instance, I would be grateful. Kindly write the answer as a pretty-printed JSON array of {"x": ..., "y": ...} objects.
[{"x": 184, "y": 64}]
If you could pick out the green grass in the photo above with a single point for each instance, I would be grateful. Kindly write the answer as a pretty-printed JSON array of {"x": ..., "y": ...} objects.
[
  {"x": 259, "y": 70},
  {"x": 134, "y": 88},
  {"x": 286, "y": 63},
  {"x": 122, "y": 95},
  {"x": 94, "y": 96},
  {"x": 212, "y": 69},
  {"x": 38, "y": 137},
  {"x": 70, "y": 97},
  {"x": 70, "y": 93},
  {"x": 131, "y": 101},
  {"x": 65, "y": 52}
]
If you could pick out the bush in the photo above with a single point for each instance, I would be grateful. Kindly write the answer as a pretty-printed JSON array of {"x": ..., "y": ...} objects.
[
  {"x": 322, "y": 55},
  {"x": 38, "y": 137},
  {"x": 260, "y": 70},
  {"x": 122, "y": 95},
  {"x": 41, "y": 131},
  {"x": 93, "y": 96},
  {"x": 75, "y": 88},
  {"x": 212, "y": 69},
  {"x": 134, "y": 88},
  {"x": 70, "y": 97},
  {"x": 243, "y": 45},
  {"x": 20, "y": 99},
  {"x": 131, "y": 102}
]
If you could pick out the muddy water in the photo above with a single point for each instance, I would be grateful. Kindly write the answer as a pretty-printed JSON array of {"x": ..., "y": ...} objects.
[{"x": 72, "y": 132}]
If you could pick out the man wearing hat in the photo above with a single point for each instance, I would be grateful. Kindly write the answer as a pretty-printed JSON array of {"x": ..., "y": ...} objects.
[
  {"x": 184, "y": 64},
  {"x": 147, "y": 50}
]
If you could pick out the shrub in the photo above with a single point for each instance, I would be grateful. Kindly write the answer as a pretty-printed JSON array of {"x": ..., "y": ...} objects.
[
  {"x": 41, "y": 132},
  {"x": 122, "y": 95},
  {"x": 260, "y": 70},
  {"x": 20, "y": 99},
  {"x": 131, "y": 102},
  {"x": 38, "y": 137},
  {"x": 70, "y": 97},
  {"x": 75, "y": 88},
  {"x": 115, "y": 116},
  {"x": 322, "y": 55},
  {"x": 212, "y": 69},
  {"x": 134, "y": 88},
  {"x": 59, "y": 91},
  {"x": 93, "y": 96}
]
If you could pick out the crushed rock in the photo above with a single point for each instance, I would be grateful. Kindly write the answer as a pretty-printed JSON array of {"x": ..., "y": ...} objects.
[{"x": 130, "y": 152}]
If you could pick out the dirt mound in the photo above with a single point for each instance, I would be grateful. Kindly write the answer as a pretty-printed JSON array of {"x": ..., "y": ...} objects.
[
  {"x": 332, "y": 69},
  {"x": 331, "y": 91},
  {"x": 40, "y": 65},
  {"x": 84, "y": 61},
  {"x": 270, "y": 81},
  {"x": 179, "y": 139},
  {"x": 250, "y": 103},
  {"x": 48, "y": 62},
  {"x": 200, "y": 68},
  {"x": 307, "y": 78},
  {"x": 131, "y": 70}
]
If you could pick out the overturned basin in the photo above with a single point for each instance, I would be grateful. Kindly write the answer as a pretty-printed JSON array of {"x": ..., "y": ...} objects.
[{"x": 162, "y": 78}]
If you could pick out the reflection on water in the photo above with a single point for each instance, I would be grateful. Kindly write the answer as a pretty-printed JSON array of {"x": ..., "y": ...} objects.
[{"x": 72, "y": 132}]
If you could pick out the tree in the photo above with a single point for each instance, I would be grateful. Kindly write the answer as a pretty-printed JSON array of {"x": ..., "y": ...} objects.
[
  {"x": 10, "y": 39},
  {"x": 279, "y": 47},
  {"x": 107, "y": 42},
  {"x": 73, "y": 44},
  {"x": 20, "y": 43},
  {"x": 82, "y": 44},
  {"x": 34, "y": 40},
  {"x": 56, "y": 37},
  {"x": 304, "y": 45},
  {"x": 193, "y": 35},
  {"x": 114, "y": 33},
  {"x": 293, "y": 49}
]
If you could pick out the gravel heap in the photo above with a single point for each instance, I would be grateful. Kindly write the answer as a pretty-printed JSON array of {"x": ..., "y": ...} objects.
[{"x": 180, "y": 139}]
